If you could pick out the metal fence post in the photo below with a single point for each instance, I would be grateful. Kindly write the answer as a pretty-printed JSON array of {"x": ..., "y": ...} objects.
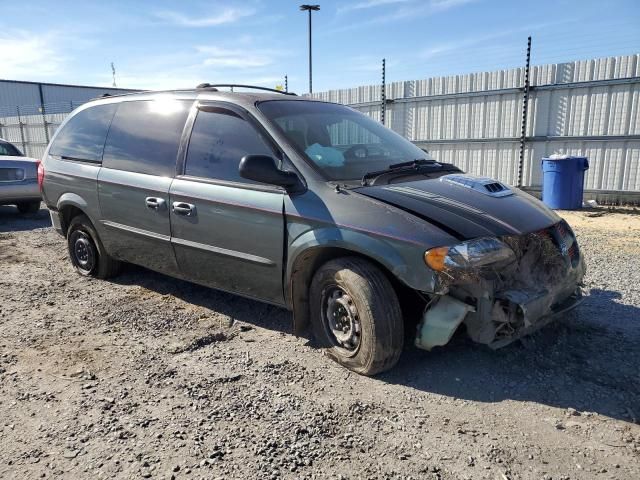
[
  {"x": 42, "y": 110},
  {"x": 22, "y": 139},
  {"x": 525, "y": 109},
  {"x": 383, "y": 95}
]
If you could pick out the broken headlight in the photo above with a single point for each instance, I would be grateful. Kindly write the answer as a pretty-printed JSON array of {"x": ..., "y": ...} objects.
[{"x": 472, "y": 254}]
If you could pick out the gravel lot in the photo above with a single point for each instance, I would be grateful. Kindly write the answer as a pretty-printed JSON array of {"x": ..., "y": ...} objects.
[{"x": 150, "y": 377}]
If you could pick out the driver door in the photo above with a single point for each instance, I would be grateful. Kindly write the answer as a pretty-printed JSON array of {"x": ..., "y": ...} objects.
[{"x": 227, "y": 231}]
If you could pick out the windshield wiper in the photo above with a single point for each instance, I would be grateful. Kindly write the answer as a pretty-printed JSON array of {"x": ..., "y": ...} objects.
[{"x": 399, "y": 167}]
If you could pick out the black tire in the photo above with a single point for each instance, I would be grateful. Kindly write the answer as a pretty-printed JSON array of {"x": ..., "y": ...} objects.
[
  {"x": 368, "y": 304},
  {"x": 86, "y": 252},
  {"x": 29, "y": 207}
]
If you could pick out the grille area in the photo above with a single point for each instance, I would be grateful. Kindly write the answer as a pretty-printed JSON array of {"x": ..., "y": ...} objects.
[{"x": 564, "y": 239}]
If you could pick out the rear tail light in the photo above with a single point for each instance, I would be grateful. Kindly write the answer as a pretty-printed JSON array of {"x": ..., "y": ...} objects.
[{"x": 40, "y": 174}]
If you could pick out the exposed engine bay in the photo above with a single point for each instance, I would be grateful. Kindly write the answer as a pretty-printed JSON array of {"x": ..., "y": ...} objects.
[{"x": 511, "y": 297}]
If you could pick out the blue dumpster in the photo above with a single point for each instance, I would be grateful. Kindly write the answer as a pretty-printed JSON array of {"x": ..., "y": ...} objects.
[{"x": 563, "y": 181}]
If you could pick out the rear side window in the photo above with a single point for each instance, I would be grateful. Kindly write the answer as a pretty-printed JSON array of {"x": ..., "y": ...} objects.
[
  {"x": 82, "y": 137},
  {"x": 145, "y": 135},
  {"x": 219, "y": 140}
]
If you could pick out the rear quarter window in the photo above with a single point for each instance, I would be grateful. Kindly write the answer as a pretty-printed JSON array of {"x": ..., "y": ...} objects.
[
  {"x": 145, "y": 135},
  {"x": 83, "y": 136}
]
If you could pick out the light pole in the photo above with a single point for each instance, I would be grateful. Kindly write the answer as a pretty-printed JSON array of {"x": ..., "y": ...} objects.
[{"x": 310, "y": 8}]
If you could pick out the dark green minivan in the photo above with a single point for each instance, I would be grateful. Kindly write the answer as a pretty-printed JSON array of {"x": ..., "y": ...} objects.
[{"x": 311, "y": 206}]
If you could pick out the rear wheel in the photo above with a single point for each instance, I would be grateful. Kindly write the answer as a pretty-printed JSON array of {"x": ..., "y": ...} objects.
[
  {"x": 86, "y": 251},
  {"x": 29, "y": 207},
  {"x": 356, "y": 315}
]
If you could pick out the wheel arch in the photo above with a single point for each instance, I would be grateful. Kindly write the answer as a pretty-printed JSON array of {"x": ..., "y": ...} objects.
[
  {"x": 69, "y": 206},
  {"x": 311, "y": 254}
]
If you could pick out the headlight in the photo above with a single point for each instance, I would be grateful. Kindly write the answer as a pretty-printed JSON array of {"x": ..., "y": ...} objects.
[{"x": 468, "y": 255}]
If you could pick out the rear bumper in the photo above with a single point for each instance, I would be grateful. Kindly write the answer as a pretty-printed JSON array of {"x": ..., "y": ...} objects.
[{"x": 16, "y": 192}]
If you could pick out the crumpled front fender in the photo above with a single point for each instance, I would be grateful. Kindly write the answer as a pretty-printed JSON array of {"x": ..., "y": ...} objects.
[{"x": 402, "y": 261}]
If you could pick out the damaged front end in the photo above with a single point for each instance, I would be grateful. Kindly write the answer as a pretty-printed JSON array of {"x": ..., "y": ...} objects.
[{"x": 502, "y": 288}]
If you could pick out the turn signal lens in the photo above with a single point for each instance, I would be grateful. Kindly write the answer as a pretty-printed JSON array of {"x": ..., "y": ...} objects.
[
  {"x": 435, "y": 258},
  {"x": 476, "y": 253}
]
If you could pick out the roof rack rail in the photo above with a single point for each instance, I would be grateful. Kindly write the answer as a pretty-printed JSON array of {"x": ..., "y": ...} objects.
[
  {"x": 214, "y": 87},
  {"x": 207, "y": 85},
  {"x": 110, "y": 95},
  {"x": 104, "y": 95}
]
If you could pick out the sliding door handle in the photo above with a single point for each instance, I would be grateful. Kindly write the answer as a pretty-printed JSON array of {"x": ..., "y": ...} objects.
[{"x": 186, "y": 209}]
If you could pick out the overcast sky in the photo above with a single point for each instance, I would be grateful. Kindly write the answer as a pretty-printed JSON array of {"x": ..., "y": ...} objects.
[{"x": 165, "y": 44}]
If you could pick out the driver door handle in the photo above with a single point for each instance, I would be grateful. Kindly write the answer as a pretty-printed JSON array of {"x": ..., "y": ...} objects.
[
  {"x": 154, "y": 203},
  {"x": 182, "y": 208}
]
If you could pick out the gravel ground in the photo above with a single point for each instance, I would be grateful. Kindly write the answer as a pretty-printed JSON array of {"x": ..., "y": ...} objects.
[{"x": 150, "y": 377}]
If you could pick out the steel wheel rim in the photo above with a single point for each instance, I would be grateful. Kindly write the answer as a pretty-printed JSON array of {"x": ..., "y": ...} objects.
[
  {"x": 83, "y": 251},
  {"x": 341, "y": 320}
]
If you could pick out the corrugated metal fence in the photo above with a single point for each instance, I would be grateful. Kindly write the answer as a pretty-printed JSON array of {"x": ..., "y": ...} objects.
[
  {"x": 30, "y": 127},
  {"x": 30, "y": 112},
  {"x": 587, "y": 108}
]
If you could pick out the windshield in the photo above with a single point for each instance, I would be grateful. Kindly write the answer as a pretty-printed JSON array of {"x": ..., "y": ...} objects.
[{"x": 342, "y": 143}]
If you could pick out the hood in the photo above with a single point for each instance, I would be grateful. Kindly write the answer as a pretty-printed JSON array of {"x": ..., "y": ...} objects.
[{"x": 467, "y": 206}]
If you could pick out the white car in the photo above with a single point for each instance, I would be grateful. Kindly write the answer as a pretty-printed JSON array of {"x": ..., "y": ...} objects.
[{"x": 18, "y": 179}]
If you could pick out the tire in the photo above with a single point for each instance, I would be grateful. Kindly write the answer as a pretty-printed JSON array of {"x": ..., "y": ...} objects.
[
  {"x": 86, "y": 252},
  {"x": 370, "y": 336},
  {"x": 29, "y": 207}
]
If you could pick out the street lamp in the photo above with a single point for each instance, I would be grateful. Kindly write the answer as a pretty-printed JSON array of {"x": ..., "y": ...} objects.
[{"x": 310, "y": 8}]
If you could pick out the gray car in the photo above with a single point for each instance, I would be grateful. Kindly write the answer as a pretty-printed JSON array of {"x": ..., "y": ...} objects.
[
  {"x": 18, "y": 179},
  {"x": 311, "y": 206}
]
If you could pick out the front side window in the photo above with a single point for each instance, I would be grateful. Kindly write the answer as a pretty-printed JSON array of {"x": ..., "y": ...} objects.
[
  {"x": 219, "y": 140},
  {"x": 82, "y": 137},
  {"x": 342, "y": 143},
  {"x": 145, "y": 135}
]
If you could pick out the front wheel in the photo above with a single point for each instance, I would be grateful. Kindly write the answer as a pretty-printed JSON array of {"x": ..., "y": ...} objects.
[
  {"x": 86, "y": 251},
  {"x": 356, "y": 315}
]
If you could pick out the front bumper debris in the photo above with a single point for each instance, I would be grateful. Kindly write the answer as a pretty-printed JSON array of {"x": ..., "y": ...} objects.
[
  {"x": 515, "y": 300},
  {"x": 568, "y": 304},
  {"x": 440, "y": 322}
]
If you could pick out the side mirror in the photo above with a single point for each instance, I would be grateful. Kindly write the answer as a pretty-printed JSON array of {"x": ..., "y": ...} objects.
[{"x": 262, "y": 168}]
